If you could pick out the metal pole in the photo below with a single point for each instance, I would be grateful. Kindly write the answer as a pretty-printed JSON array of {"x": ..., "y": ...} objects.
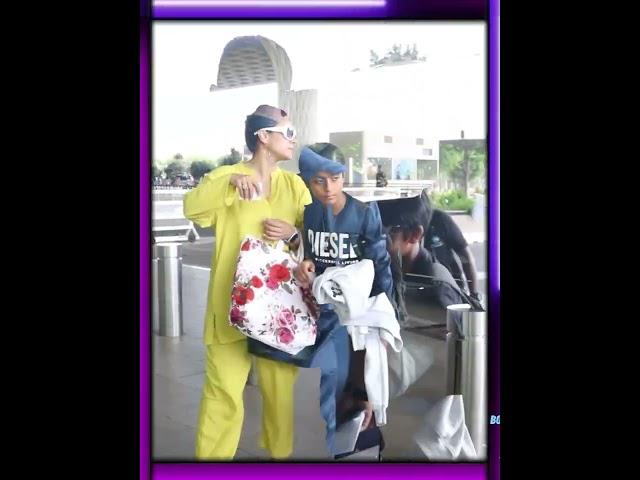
[
  {"x": 155, "y": 305},
  {"x": 467, "y": 369},
  {"x": 169, "y": 276}
]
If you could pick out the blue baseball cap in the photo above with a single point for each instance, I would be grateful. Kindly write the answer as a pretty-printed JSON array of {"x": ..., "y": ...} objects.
[{"x": 311, "y": 163}]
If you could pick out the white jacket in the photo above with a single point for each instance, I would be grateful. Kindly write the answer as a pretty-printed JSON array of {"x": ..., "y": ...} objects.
[{"x": 371, "y": 323}]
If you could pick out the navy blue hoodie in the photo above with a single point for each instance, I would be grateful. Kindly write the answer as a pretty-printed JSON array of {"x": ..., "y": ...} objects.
[{"x": 356, "y": 234}]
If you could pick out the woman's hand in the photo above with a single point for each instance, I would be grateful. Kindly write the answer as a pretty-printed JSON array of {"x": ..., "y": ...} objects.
[
  {"x": 275, "y": 229},
  {"x": 247, "y": 185}
]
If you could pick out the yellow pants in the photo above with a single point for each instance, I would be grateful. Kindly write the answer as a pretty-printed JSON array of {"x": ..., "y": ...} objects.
[{"x": 222, "y": 410}]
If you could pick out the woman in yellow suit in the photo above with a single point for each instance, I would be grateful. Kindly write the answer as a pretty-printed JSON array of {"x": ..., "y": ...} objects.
[{"x": 250, "y": 198}]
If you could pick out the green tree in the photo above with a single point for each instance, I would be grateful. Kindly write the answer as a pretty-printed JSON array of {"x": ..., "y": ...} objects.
[
  {"x": 200, "y": 168},
  {"x": 450, "y": 161},
  {"x": 354, "y": 150},
  {"x": 463, "y": 161},
  {"x": 373, "y": 58},
  {"x": 477, "y": 162},
  {"x": 395, "y": 55},
  {"x": 235, "y": 155},
  {"x": 176, "y": 167},
  {"x": 231, "y": 159},
  {"x": 414, "y": 52}
]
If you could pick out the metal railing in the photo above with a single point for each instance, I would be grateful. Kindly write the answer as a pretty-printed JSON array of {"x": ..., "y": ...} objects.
[
  {"x": 369, "y": 194},
  {"x": 466, "y": 369},
  {"x": 169, "y": 223}
]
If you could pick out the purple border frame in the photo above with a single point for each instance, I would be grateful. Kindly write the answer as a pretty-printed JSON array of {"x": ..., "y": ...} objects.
[
  {"x": 494, "y": 236},
  {"x": 145, "y": 257},
  {"x": 425, "y": 9},
  {"x": 432, "y": 471}
]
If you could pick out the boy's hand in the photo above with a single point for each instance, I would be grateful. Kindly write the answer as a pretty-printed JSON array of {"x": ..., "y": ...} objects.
[
  {"x": 348, "y": 404},
  {"x": 305, "y": 273},
  {"x": 368, "y": 413}
]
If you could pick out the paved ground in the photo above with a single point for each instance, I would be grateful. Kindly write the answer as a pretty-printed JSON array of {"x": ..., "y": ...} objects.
[{"x": 178, "y": 371}]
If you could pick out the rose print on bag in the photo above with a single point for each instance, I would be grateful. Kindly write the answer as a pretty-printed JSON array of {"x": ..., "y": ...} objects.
[
  {"x": 237, "y": 317},
  {"x": 266, "y": 302},
  {"x": 285, "y": 318},
  {"x": 284, "y": 335},
  {"x": 242, "y": 295},
  {"x": 279, "y": 273}
]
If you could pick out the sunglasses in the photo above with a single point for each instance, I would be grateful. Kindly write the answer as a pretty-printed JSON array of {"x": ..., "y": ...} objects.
[{"x": 287, "y": 132}]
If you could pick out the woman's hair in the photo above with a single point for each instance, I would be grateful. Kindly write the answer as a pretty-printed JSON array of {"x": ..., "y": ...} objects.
[
  {"x": 328, "y": 150},
  {"x": 265, "y": 116}
]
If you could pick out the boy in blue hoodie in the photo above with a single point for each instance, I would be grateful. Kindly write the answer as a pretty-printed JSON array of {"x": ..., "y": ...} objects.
[{"x": 340, "y": 230}]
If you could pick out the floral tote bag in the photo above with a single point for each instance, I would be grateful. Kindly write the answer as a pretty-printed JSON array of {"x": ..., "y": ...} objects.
[{"x": 266, "y": 302}]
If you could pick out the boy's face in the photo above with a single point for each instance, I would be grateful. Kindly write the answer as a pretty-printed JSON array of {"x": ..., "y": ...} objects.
[
  {"x": 326, "y": 187},
  {"x": 403, "y": 242},
  {"x": 399, "y": 245}
]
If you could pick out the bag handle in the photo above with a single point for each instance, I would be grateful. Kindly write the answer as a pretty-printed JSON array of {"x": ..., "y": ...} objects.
[{"x": 297, "y": 255}]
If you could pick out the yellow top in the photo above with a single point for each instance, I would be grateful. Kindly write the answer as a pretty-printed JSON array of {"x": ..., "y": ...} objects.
[{"x": 215, "y": 203}]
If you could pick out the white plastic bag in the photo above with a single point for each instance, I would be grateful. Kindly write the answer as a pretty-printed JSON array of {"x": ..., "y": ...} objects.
[{"x": 444, "y": 434}]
